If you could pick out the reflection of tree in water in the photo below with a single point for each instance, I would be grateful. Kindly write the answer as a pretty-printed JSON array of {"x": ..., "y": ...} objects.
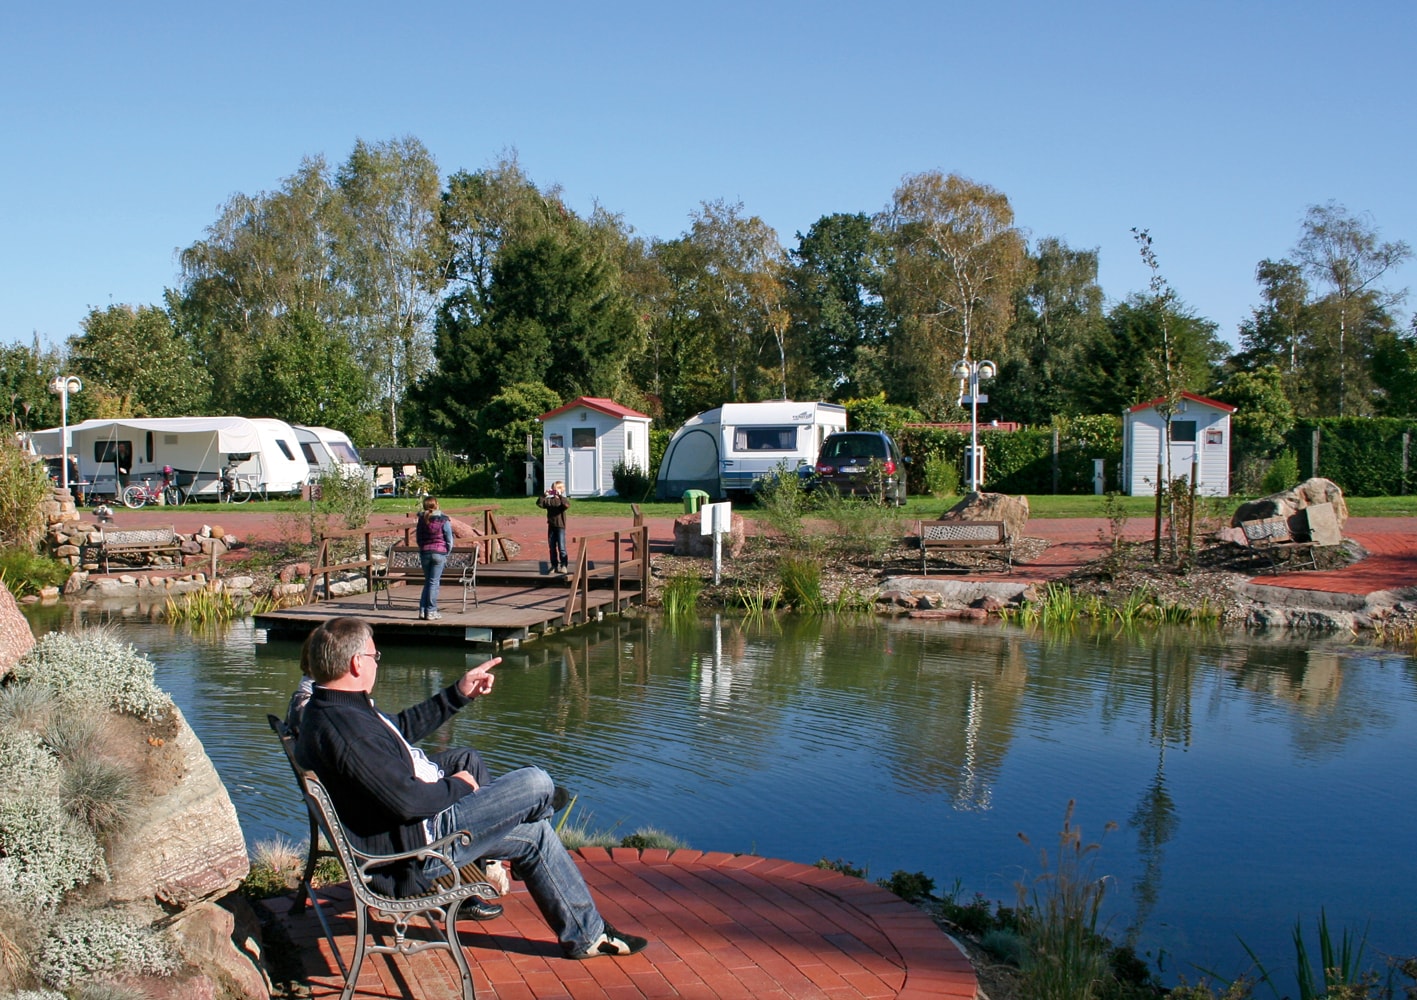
[{"x": 1155, "y": 819}]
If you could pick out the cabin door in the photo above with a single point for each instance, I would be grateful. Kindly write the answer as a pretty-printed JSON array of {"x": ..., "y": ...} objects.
[{"x": 582, "y": 468}]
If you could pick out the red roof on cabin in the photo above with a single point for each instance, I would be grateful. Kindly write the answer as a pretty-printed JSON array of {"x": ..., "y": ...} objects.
[
  {"x": 1185, "y": 395},
  {"x": 606, "y": 406}
]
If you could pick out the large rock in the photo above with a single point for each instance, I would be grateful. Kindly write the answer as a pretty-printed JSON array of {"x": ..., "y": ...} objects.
[
  {"x": 462, "y": 531},
  {"x": 1013, "y": 511},
  {"x": 1309, "y": 493},
  {"x": 16, "y": 639},
  {"x": 689, "y": 539},
  {"x": 185, "y": 843}
]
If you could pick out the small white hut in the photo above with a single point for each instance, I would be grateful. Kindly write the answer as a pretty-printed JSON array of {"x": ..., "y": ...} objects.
[
  {"x": 585, "y": 439},
  {"x": 1200, "y": 440}
]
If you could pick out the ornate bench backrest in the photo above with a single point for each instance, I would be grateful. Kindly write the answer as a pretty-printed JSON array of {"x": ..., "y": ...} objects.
[
  {"x": 961, "y": 531},
  {"x": 405, "y": 558}
]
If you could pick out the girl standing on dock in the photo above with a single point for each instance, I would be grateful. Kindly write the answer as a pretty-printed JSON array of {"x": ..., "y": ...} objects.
[{"x": 435, "y": 541}]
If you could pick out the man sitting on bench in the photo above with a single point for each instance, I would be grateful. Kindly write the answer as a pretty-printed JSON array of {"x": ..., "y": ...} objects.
[{"x": 392, "y": 798}]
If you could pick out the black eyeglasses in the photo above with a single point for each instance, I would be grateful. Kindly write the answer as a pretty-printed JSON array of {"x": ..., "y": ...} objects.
[{"x": 376, "y": 654}]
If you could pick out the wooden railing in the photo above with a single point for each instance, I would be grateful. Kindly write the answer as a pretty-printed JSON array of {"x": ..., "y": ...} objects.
[{"x": 637, "y": 538}]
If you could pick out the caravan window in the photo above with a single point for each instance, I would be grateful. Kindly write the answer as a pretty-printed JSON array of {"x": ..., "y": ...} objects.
[
  {"x": 309, "y": 453},
  {"x": 765, "y": 438},
  {"x": 343, "y": 452},
  {"x": 285, "y": 449},
  {"x": 114, "y": 451}
]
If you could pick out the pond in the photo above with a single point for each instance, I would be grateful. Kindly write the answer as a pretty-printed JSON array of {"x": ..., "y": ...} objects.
[{"x": 1252, "y": 779}]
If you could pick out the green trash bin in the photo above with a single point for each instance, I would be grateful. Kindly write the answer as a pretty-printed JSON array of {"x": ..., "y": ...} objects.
[{"x": 693, "y": 500}]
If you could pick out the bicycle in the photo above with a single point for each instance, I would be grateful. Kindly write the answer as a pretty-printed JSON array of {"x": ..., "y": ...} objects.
[
  {"x": 234, "y": 488},
  {"x": 140, "y": 496}
]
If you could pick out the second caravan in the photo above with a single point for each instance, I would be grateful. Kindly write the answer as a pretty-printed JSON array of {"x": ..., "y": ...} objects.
[{"x": 731, "y": 449}]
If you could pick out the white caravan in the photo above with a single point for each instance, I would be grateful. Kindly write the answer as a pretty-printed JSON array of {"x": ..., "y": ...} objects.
[
  {"x": 198, "y": 449},
  {"x": 730, "y": 450},
  {"x": 326, "y": 448}
]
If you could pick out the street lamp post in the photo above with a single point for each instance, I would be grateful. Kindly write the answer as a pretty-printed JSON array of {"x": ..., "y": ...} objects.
[
  {"x": 62, "y": 386},
  {"x": 972, "y": 372}
]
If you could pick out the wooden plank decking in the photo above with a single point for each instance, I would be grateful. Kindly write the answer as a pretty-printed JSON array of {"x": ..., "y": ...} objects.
[{"x": 515, "y": 602}]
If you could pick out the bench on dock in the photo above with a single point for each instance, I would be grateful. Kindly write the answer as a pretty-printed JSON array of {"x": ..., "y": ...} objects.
[
  {"x": 404, "y": 565},
  {"x": 1294, "y": 542},
  {"x": 986, "y": 537},
  {"x": 127, "y": 543}
]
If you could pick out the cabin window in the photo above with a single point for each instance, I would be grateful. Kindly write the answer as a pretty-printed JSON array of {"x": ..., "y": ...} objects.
[
  {"x": 285, "y": 449},
  {"x": 1214, "y": 436},
  {"x": 555, "y": 441},
  {"x": 309, "y": 453},
  {"x": 629, "y": 440},
  {"x": 1183, "y": 431},
  {"x": 582, "y": 437},
  {"x": 765, "y": 439}
]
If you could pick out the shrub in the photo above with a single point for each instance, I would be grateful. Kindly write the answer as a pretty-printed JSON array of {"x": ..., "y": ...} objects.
[
  {"x": 26, "y": 572},
  {"x": 25, "y": 706},
  {"x": 801, "y": 580},
  {"x": 784, "y": 501},
  {"x": 83, "y": 944},
  {"x": 24, "y": 486},
  {"x": 342, "y": 497},
  {"x": 44, "y": 852},
  {"x": 631, "y": 482},
  {"x": 843, "y": 866},
  {"x": 442, "y": 471},
  {"x": 681, "y": 594},
  {"x": 941, "y": 477},
  {"x": 92, "y": 666},
  {"x": 649, "y": 838},
  {"x": 909, "y": 886},
  {"x": 1283, "y": 473},
  {"x": 97, "y": 792}
]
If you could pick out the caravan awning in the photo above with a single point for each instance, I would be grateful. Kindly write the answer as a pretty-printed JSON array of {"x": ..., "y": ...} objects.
[{"x": 232, "y": 434}]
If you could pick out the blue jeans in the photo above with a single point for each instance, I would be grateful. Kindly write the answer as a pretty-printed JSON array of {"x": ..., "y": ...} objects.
[
  {"x": 556, "y": 542},
  {"x": 509, "y": 819},
  {"x": 433, "y": 563}
]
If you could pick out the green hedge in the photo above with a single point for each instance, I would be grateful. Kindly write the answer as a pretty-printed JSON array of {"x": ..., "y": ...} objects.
[
  {"x": 1022, "y": 461},
  {"x": 1363, "y": 455}
]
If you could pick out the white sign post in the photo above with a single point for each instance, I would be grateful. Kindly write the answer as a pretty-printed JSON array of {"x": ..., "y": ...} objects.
[{"x": 715, "y": 519}]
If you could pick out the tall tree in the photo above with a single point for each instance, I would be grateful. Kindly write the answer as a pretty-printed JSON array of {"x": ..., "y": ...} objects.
[
  {"x": 1344, "y": 254},
  {"x": 1120, "y": 367},
  {"x": 956, "y": 262},
  {"x": 391, "y": 257},
  {"x": 137, "y": 364},
  {"x": 1059, "y": 314},
  {"x": 306, "y": 374},
  {"x": 1395, "y": 372},
  {"x": 25, "y": 374},
  {"x": 840, "y": 324}
]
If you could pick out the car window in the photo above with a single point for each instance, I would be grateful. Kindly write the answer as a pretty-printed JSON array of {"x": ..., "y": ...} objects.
[{"x": 855, "y": 447}]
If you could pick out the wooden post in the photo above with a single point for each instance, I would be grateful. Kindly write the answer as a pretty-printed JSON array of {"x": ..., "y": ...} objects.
[
  {"x": 1156, "y": 544},
  {"x": 1406, "y": 443},
  {"x": 1057, "y": 470},
  {"x": 1314, "y": 465},
  {"x": 1191, "y": 514}
]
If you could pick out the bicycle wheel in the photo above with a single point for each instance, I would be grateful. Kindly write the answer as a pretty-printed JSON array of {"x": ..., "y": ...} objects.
[
  {"x": 240, "y": 491},
  {"x": 135, "y": 497},
  {"x": 173, "y": 496}
]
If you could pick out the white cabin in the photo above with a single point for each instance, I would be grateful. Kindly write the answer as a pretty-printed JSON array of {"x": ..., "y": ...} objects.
[
  {"x": 730, "y": 450},
  {"x": 585, "y": 439},
  {"x": 1200, "y": 440}
]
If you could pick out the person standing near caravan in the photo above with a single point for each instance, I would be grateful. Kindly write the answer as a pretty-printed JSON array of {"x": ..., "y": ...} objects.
[
  {"x": 555, "y": 502},
  {"x": 435, "y": 541}
]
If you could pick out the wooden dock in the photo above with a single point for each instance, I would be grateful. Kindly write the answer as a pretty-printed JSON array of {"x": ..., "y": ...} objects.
[{"x": 513, "y": 600}]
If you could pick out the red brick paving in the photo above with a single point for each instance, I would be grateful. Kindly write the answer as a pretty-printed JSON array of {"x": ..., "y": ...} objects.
[{"x": 721, "y": 926}]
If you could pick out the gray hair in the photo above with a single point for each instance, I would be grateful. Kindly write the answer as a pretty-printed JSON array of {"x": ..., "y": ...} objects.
[{"x": 334, "y": 644}]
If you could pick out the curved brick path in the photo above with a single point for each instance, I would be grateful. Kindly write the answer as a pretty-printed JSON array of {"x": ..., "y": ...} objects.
[{"x": 721, "y": 926}]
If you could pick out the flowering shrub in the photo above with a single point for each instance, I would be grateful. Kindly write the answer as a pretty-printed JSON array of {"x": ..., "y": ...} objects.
[
  {"x": 85, "y": 943},
  {"x": 95, "y": 667}
]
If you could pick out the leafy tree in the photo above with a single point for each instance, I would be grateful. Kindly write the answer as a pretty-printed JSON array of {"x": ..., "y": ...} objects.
[
  {"x": 678, "y": 366},
  {"x": 1263, "y": 415},
  {"x": 1120, "y": 367},
  {"x": 840, "y": 324},
  {"x": 1344, "y": 254},
  {"x": 505, "y": 421},
  {"x": 306, "y": 374},
  {"x": 873, "y": 413},
  {"x": 1395, "y": 372},
  {"x": 266, "y": 256},
  {"x": 956, "y": 260},
  {"x": 134, "y": 363},
  {"x": 391, "y": 255},
  {"x": 25, "y": 374},
  {"x": 1058, "y": 315}
]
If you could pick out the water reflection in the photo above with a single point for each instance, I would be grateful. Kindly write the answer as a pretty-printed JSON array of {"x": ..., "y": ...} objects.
[{"x": 1256, "y": 779}]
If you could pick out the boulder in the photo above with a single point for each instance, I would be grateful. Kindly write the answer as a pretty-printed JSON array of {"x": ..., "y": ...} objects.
[
  {"x": 462, "y": 531},
  {"x": 1309, "y": 493},
  {"x": 185, "y": 843},
  {"x": 689, "y": 539},
  {"x": 16, "y": 639},
  {"x": 1013, "y": 511}
]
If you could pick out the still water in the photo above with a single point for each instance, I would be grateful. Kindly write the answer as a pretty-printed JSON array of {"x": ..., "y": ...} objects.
[{"x": 1251, "y": 780}]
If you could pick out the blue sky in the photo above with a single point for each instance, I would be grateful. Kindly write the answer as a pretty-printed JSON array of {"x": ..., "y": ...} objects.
[{"x": 1213, "y": 125}]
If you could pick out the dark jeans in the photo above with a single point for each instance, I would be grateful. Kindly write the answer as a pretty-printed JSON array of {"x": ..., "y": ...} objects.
[
  {"x": 433, "y": 563},
  {"x": 556, "y": 542}
]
